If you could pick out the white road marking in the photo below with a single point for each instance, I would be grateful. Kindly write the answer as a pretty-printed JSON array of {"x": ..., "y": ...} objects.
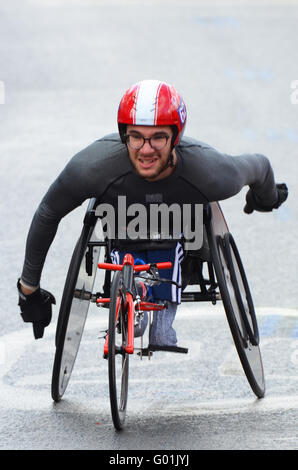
[
  {"x": 235, "y": 406},
  {"x": 193, "y": 309},
  {"x": 18, "y": 397}
]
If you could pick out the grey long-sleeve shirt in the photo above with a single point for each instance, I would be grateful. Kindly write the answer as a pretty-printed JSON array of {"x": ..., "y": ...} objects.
[{"x": 103, "y": 170}]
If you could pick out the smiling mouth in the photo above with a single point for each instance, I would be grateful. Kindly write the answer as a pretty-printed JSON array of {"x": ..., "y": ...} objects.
[{"x": 147, "y": 163}]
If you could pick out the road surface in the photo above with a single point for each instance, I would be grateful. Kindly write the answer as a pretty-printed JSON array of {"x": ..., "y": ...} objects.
[{"x": 64, "y": 67}]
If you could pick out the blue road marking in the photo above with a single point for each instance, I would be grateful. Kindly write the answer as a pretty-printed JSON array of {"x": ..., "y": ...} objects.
[
  {"x": 278, "y": 325},
  {"x": 218, "y": 20},
  {"x": 295, "y": 331},
  {"x": 273, "y": 134},
  {"x": 249, "y": 133},
  {"x": 291, "y": 134},
  {"x": 283, "y": 214},
  {"x": 269, "y": 325}
]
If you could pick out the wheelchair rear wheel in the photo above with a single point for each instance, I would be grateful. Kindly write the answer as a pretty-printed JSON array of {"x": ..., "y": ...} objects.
[
  {"x": 238, "y": 305},
  {"x": 118, "y": 359},
  {"x": 242, "y": 291},
  {"x": 73, "y": 312}
]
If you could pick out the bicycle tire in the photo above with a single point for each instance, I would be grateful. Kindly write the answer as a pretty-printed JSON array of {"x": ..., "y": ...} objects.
[
  {"x": 249, "y": 355},
  {"x": 118, "y": 359},
  {"x": 72, "y": 314}
]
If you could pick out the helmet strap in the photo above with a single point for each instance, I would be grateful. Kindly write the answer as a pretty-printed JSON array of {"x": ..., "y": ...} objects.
[{"x": 171, "y": 161}]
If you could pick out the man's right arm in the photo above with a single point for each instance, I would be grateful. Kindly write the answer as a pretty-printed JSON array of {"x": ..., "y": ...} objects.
[
  {"x": 65, "y": 194},
  {"x": 40, "y": 236},
  {"x": 86, "y": 175},
  {"x": 36, "y": 303}
]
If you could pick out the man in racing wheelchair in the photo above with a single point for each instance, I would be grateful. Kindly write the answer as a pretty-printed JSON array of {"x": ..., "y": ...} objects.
[{"x": 149, "y": 162}]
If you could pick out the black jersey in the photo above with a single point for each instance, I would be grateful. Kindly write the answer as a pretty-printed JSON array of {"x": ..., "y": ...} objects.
[{"x": 103, "y": 170}]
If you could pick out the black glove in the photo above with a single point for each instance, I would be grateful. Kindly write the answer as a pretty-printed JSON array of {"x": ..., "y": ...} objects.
[
  {"x": 253, "y": 203},
  {"x": 36, "y": 308}
]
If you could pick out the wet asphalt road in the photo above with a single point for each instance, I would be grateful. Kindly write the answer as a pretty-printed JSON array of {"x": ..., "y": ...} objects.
[{"x": 64, "y": 67}]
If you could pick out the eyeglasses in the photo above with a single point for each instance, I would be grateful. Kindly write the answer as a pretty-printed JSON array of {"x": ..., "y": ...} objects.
[{"x": 157, "y": 141}]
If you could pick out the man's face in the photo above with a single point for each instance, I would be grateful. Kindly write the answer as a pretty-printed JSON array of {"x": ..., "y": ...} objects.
[{"x": 150, "y": 163}]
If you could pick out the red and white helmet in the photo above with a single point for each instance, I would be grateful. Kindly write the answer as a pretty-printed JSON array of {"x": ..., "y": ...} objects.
[{"x": 152, "y": 103}]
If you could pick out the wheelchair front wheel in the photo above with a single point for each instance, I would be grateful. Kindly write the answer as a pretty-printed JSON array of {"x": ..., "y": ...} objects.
[{"x": 118, "y": 358}]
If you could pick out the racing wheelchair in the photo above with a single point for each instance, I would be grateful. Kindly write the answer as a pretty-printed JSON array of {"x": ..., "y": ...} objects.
[{"x": 226, "y": 282}]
